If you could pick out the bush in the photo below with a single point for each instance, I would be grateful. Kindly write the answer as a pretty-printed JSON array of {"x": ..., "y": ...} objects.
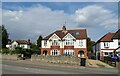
[
  {"x": 5, "y": 51},
  {"x": 19, "y": 50}
]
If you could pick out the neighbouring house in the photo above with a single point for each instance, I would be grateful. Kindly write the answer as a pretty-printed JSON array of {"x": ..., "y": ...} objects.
[
  {"x": 105, "y": 46},
  {"x": 117, "y": 37},
  {"x": 65, "y": 42},
  {"x": 15, "y": 43}
]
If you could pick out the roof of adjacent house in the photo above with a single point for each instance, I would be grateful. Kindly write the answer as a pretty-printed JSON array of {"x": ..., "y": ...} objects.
[
  {"x": 81, "y": 33},
  {"x": 19, "y": 42},
  {"x": 106, "y": 38},
  {"x": 117, "y": 35}
]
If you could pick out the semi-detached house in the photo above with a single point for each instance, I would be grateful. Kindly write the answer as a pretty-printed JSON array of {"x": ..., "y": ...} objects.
[{"x": 67, "y": 42}]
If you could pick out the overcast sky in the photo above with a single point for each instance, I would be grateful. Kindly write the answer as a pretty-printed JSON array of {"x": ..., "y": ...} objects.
[{"x": 28, "y": 20}]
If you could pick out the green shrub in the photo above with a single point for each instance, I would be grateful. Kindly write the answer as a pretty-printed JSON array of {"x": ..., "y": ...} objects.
[
  {"x": 19, "y": 50},
  {"x": 5, "y": 51}
]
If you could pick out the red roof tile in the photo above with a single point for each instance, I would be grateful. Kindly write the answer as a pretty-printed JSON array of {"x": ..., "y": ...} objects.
[
  {"x": 62, "y": 33},
  {"x": 106, "y": 38},
  {"x": 117, "y": 35}
]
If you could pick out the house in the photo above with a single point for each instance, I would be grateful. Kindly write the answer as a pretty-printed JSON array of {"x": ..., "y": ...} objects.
[
  {"x": 105, "y": 46},
  {"x": 117, "y": 37},
  {"x": 21, "y": 43},
  {"x": 65, "y": 42}
]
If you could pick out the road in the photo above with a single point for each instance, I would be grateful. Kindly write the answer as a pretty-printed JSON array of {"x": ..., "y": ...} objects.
[{"x": 14, "y": 67}]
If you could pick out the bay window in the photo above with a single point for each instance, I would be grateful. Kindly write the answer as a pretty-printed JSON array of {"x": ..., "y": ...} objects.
[
  {"x": 68, "y": 42},
  {"x": 55, "y": 42},
  {"x": 55, "y": 52}
]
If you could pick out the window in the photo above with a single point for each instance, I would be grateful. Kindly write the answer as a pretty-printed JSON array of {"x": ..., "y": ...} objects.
[
  {"x": 69, "y": 42},
  {"x": 77, "y": 33},
  {"x": 55, "y": 42},
  {"x": 106, "y": 44},
  {"x": 72, "y": 33},
  {"x": 119, "y": 42},
  {"x": 110, "y": 53},
  {"x": 45, "y": 43},
  {"x": 80, "y": 42},
  {"x": 55, "y": 52},
  {"x": 105, "y": 53},
  {"x": 69, "y": 52}
]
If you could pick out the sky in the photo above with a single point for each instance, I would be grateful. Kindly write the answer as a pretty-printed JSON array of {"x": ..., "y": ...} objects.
[{"x": 29, "y": 20}]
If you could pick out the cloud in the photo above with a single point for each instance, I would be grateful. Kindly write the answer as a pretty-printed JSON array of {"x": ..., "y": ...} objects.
[
  {"x": 30, "y": 22},
  {"x": 33, "y": 21},
  {"x": 94, "y": 16}
]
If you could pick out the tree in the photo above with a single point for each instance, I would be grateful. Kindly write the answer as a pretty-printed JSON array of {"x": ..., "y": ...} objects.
[
  {"x": 4, "y": 37},
  {"x": 90, "y": 45},
  {"x": 39, "y": 41}
]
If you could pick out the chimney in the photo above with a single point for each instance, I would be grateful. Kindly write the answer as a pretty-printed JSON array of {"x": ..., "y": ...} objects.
[
  {"x": 64, "y": 30},
  {"x": 29, "y": 41}
]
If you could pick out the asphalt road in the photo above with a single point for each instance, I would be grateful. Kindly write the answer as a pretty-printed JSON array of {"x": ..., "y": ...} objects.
[{"x": 14, "y": 67}]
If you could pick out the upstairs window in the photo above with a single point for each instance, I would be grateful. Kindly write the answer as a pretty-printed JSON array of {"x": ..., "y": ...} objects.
[
  {"x": 106, "y": 44},
  {"x": 119, "y": 42},
  {"x": 69, "y": 42},
  {"x": 45, "y": 43},
  {"x": 55, "y": 42},
  {"x": 80, "y": 42}
]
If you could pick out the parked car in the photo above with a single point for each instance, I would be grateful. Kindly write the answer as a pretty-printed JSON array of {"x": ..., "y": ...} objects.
[{"x": 115, "y": 57}]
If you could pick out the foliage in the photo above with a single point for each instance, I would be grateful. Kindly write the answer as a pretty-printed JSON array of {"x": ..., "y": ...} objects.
[
  {"x": 5, "y": 51},
  {"x": 19, "y": 50},
  {"x": 39, "y": 41},
  {"x": 29, "y": 51},
  {"x": 4, "y": 37},
  {"x": 0, "y": 38},
  {"x": 35, "y": 48},
  {"x": 90, "y": 45}
]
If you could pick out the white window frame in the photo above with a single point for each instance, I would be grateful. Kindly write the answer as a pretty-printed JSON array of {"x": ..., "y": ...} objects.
[
  {"x": 69, "y": 52},
  {"x": 45, "y": 43},
  {"x": 69, "y": 42},
  {"x": 55, "y": 42},
  {"x": 55, "y": 52},
  {"x": 106, "y": 44},
  {"x": 80, "y": 42}
]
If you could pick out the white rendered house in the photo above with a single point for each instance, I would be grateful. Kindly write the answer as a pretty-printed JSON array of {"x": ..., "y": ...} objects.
[
  {"x": 105, "y": 46},
  {"x": 16, "y": 43}
]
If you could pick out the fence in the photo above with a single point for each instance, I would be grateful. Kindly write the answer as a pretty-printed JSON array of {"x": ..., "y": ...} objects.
[{"x": 110, "y": 61}]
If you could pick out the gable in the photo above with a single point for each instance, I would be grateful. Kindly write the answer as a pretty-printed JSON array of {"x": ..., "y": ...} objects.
[
  {"x": 14, "y": 43},
  {"x": 54, "y": 36},
  {"x": 69, "y": 36}
]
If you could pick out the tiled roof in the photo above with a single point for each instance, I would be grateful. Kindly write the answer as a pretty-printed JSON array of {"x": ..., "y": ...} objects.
[
  {"x": 117, "y": 35},
  {"x": 62, "y": 33},
  {"x": 19, "y": 42},
  {"x": 22, "y": 42},
  {"x": 107, "y": 37}
]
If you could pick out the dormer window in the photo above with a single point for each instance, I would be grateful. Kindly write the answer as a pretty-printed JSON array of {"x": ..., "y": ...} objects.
[{"x": 77, "y": 33}]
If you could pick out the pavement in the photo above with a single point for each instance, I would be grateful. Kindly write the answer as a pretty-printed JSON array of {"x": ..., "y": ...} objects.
[{"x": 26, "y": 67}]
